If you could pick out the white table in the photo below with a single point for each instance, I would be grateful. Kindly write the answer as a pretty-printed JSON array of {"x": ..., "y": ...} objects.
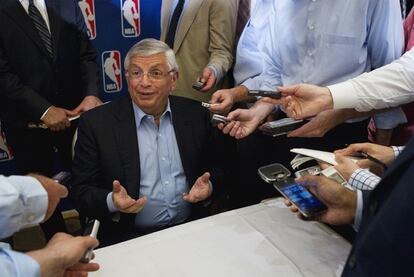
[{"x": 260, "y": 240}]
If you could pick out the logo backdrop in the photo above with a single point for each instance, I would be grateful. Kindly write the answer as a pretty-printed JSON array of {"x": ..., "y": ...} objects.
[{"x": 113, "y": 27}]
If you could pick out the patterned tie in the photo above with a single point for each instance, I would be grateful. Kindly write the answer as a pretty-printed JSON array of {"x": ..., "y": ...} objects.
[
  {"x": 243, "y": 14},
  {"x": 41, "y": 27},
  {"x": 174, "y": 23}
]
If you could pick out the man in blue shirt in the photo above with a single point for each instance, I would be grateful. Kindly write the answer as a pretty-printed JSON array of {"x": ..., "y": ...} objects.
[
  {"x": 28, "y": 200},
  {"x": 142, "y": 161}
]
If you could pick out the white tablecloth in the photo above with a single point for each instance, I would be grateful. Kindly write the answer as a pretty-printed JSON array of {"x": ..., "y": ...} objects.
[{"x": 260, "y": 240}]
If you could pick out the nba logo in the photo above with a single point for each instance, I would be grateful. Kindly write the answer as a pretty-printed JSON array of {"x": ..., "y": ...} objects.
[
  {"x": 131, "y": 24},
  {"x": 88, "y": 11},
  {"x": 111, "y": 69}
]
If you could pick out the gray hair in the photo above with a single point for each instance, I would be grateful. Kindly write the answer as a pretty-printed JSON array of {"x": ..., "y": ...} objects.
[{"x": 148, "y": 47}]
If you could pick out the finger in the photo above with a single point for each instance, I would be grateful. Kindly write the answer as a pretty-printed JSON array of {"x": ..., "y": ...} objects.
[
  {"x": 271, "y": 101},
  {"x": 126, "y": 204},
  {"x": 287, "y": 202},
  {"x": 116, "y": 186},
  {"x": 209, "y": 84},
  {"x": 365, "y": 163},
  {"x": 205, "y": 177},
  {"x": 189, "y": 197},
  {"x": 303, "y": 131},
  {"x": 137, "y": 206},
  {"x": 290, "y": 90},
  {"x": 235, "y": 128},
  {"x": 227, "y": 128},
  {"x": 293, "y": 209},
  {"x": 62, "y": 191},
  {"x": 84, "y": 267},
  {"x": 234, "y": 115},
  {"x": 323, "y": 165}
]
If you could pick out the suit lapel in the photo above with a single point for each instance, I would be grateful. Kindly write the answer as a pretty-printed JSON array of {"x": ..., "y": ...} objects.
[
  {"x": 54, "y": 23},
  {"x": 183, "y": 132},
  {"x": 127, "y": 145},
  {"x": 17, "y": 13},
  {"x": 166, "y": 11},
  {"x": 187, "y": 20}
]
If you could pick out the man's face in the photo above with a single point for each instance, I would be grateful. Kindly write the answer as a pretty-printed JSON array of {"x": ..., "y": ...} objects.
[{"x": 150, "y": 91}]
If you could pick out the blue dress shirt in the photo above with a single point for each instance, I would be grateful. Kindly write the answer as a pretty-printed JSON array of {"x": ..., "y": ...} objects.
[
  {"x": 162, "y": 174},
  {"x": 23, "y": 201},
  {"x": 325, "y": 42},
  {"x": 249, "y": 56}
]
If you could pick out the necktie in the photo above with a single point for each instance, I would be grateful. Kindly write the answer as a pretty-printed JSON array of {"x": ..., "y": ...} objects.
[
  {"x": 173, "y": 24},
  {"x": 41, "y": 27},
  {"x": 243, "y": 14}
]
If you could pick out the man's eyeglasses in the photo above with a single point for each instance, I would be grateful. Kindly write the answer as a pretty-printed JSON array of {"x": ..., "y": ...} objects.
[{"x": 152, "y": 75}]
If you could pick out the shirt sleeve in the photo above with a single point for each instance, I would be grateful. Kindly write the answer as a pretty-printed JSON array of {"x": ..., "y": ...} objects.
[
  {"x": 13, "y": 263},
  {"x": 359, "y": 209},
  {"x": 397, "y": 150},
  {"x": 23, "y": 202},
  {"x": 386, "y": 87},
  {"x": 363, "y": 179}
]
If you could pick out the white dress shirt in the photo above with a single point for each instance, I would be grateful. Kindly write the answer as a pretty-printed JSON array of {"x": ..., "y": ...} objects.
[{"x": 389, "y": 86}]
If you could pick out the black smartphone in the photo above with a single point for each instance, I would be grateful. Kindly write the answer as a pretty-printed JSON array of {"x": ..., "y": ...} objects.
[
  {"x": 198, "y": 85},
  {"x": 279, "y": 176},
  {"x": 63, "y": 177},
  {"x": 281, "y": 126},
  {"x": 91, "y": 230},
  {"x": 217, "y": 119},
  {"x": 265, "y": 93}
]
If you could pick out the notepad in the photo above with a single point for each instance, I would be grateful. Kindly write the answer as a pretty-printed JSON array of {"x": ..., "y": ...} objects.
[{"x": 305, "y": 155}]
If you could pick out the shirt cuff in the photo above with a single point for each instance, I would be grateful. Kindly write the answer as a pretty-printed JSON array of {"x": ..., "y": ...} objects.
[
  {"x": 43, "y": 115},
  {"x": 363, "y": 179},
  {"x": 216, "y": 73},
  {"x": 34, "y": 198},
  {"x": 359, "y": 209},
  {"x": 110, "y": 203},
  {"x": 344, "y": 96},
  {"x": 18, "y": 264},
  {"x": 397, "y": 150}
]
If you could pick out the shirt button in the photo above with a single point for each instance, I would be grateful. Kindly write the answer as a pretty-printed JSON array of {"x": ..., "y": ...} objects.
[
  {"x": 166, "y": 182},
  {"x": 162, "y": 159},
  {"x": 310, "y": 53},
  {"x": 311, "y": 27},
  {"x": 31, "y": 217}
]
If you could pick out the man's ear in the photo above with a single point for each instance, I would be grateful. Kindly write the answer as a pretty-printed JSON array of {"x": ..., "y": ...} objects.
[{"x": 175, "y": 77}]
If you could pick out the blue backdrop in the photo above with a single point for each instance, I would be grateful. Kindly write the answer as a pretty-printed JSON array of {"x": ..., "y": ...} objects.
[{"x": 113, "y": 27}]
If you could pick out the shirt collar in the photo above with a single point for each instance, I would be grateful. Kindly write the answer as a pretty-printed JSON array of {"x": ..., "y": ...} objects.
[{"x": 140, "y": 114}]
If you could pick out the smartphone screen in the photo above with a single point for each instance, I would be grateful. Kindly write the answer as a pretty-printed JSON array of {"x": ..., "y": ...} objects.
[{"x": 305, "y": 201}]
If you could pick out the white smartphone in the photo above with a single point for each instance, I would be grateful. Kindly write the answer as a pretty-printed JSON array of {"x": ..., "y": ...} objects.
[{"x": 91, "y": 230}]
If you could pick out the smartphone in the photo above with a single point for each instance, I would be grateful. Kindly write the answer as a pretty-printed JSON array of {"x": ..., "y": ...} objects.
[
  {"x": 91, "y": 229},
  {"x": 217, "y": 119},
  {"x": 198, "y": 85},
  {"x": 63, "y": 177},
  {"x": 301, "y": 198},
  {"x": 281, "y": 126},
  {"x": 265, "y": 93},
  {"x": 279, "y": 176}
]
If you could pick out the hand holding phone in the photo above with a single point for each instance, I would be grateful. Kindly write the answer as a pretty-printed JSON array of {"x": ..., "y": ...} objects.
[
  {"x": 282, "y": 126},
  {"x": 91, "y": 230},
  {"x": 302, "y": 199}
]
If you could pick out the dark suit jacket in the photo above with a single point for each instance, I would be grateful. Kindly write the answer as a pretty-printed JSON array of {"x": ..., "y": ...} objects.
[
  {"x": 107, "y": 150},
  {"x": 385, "y": 242},
  {"x": 30, "y": 81}
]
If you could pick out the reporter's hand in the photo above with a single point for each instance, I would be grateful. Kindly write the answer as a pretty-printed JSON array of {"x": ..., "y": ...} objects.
[
  {"x": 57, "y": 119},
  {"x": 319, "y": 125},
  {"x": 89, "y": 102},
  {"x": 304, "y": 100},
  {"x": 208, "y": 78},
  {"x": 345, "y": 166},
  {"x": 223, "y": 100},
  {"x": 61, "y": 256},
  {"x": 341, "y": 202},
  {"x": 200, "y": 191},
  {"x": 125, "y": 203},
  {"x": 380, "y": 152},
  {"x": 55, "y": 192}
]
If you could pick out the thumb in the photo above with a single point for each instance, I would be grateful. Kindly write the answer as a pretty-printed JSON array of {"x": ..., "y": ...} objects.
[
  {"x": 73, "y": 112},
  {"x": 340, "y": 159},
  {"x": 116, "y": 186},
  {"x": 205, "y": 177},
  {"x": 215, "y": 97},
  {"x": 234, "y": 114},
  {"x": 62, "y": 191},
  {"x": 288, "y": 90}
]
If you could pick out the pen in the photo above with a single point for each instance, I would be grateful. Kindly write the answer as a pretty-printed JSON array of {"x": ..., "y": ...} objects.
[{"x": 371, "y": 158}]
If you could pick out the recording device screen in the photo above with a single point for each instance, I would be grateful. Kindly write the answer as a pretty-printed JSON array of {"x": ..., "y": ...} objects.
[{"x": 307, "y": 203}]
